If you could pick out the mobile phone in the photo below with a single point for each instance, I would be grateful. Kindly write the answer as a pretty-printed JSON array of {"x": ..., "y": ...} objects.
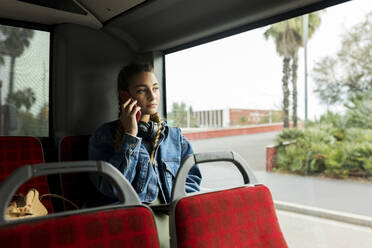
[{"x": 124, "y": 97}]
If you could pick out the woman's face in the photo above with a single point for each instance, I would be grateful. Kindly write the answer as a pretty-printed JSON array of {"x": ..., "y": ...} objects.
[{"x": 144, "y": 87}]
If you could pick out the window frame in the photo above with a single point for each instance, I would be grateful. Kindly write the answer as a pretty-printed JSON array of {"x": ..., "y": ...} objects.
[{"x": 45, "y": 28}]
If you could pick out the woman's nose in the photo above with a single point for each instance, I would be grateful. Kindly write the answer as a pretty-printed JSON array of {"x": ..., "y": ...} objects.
[{"x": 151, "y": 95}]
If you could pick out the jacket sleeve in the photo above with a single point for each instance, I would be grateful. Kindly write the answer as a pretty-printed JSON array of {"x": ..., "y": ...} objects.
[
  {"x": 194, "y": 178},
  {"x": 125, "y": 158}
]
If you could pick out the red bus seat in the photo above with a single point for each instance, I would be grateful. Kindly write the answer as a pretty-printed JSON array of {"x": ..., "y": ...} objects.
[
  {"x": 121, "y": 227},
  {"x": 74, "y": 186},
  {"x": 17, "y": 151},
  {"x": 130, "y": 224},
  {"x": 74, "y": 148},
  {"x": 238, "y": 217}
]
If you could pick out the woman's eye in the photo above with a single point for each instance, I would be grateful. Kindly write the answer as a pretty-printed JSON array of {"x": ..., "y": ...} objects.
[
  {"x": 156, "y": 89},
  {"x": 140, "y": 91}
]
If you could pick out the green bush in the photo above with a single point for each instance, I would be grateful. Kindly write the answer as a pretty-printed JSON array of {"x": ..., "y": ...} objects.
[
  {"x": 334, "y": 119},
  {"x": 335, "y": 145},
  {"x": 306, "y": 156},
  {"x": 335, "y": 162},
  {"x": 293, "y": 160},
  {"x": 325, "y": 149},
  {"x": 358, "y": 135},
  {"x": 288, "y": 135},
  {"x": 320, "y": 134}
]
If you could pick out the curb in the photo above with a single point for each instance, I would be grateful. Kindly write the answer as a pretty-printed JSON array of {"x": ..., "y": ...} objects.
[{"x": 355, "y": 219}]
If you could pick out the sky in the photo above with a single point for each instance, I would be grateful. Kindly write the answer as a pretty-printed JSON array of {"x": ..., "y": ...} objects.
[{"x": 244, "y": 70}]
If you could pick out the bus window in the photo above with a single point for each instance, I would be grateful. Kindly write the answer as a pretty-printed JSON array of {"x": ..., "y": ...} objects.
[
  {"x": 24, "y": 81},
  {"x": 240, "y": 92}
]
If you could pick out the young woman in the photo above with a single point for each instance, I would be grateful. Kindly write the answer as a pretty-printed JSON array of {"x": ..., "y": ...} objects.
[{"x": 148, "y": 153}]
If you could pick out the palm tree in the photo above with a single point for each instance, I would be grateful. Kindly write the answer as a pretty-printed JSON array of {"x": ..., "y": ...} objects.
[
  {"x": 25, "y": 97},
  {"x": 17, "y": 39},
  {"x": 288, "y": 40},
  {"x": 285, "y": 38}
]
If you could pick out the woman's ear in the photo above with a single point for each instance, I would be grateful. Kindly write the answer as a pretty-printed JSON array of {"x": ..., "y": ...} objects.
[{"x": 122, "y": 94}]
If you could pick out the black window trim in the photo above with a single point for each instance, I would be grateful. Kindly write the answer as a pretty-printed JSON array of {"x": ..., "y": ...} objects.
[{"x": 258, "y": 24}]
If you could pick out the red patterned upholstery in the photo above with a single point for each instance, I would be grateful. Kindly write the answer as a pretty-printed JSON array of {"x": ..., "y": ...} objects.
[
  {"x": 121, "y": 227},
  {"x": 18, "y": 151},
  {"x": 74, "y": 148},
  {"x": 74, "y": 186},
  {"x": 240, "y": 217}
]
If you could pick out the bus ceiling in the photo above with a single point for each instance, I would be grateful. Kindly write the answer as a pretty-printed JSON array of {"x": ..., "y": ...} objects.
[{"x": 161, "y": 25}]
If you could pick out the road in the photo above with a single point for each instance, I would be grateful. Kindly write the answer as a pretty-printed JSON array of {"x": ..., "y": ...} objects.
[{"x": 250, "y": 147}]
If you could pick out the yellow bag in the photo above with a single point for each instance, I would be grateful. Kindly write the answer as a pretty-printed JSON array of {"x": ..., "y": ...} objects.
[
  {"x": 30, "y": 205},
  {"x": 26, "y": 206}
]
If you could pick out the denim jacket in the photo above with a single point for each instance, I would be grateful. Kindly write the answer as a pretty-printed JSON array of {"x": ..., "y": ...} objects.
[{"x": 133, "y": 160}]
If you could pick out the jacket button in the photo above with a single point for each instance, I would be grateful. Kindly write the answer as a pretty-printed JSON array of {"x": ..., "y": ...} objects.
[{"x": 132, "y": 145}]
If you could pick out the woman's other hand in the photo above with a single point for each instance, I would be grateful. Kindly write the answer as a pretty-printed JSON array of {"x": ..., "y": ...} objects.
[{"x": 129, "y": 110}]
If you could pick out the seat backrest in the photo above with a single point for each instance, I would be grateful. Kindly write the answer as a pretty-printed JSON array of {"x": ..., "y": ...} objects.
[
  {"x": 240, "y": 217},
  {"x": 74, "y": 148},
  {"x": 17, "y": 151},
  {"x": 76, "y": 185},
  {"x": 130, "y": 224},
  {"x": 120, "y": 227},
  {"x": 237, "y": 217}
]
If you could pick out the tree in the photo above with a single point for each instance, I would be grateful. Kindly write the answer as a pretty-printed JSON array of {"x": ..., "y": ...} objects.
[
  {"x": 359, "y": 111},
  {"x": 193, "y": 120},
  {"x": 27, "y": 124},
  {"x": 243, "y": 120},
  {"x": 16, "y": 40},
  {"x": 285, "y": 38},
  {"x": 341, "y": 77},
  {"x": 25, "y": 97},
  {"x": 43, "y": 121},
  {"x": 288, "y": 40},
  {"x": 272, "y": 116},
  {"x": 178, "y": 116}
]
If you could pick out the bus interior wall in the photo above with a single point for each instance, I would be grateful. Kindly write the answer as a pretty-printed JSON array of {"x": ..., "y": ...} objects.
[{"x": 85, "y": 78}]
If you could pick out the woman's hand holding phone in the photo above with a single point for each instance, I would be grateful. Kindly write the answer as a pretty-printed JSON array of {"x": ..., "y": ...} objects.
[{"x": 128, "y": 117}]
